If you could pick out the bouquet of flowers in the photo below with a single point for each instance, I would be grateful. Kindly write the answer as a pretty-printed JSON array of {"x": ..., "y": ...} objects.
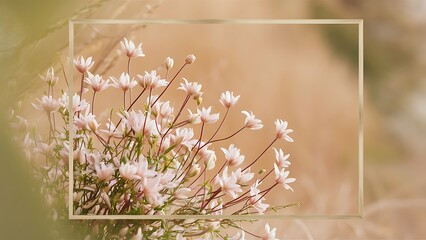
[{"x": 154, "y": 159}]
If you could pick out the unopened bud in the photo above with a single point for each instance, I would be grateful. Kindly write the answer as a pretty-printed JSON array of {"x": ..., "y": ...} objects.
[
  {"x": 262, "y": 171},
  {"x": 195, "y": 170},
  {"x": 190, "y": 59},
  {"x": 169, "y": 63}
]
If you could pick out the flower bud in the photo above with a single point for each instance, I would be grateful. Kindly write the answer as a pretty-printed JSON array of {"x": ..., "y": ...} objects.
[
  {"x": 169, "y": 63},
  {"x": 190, "y": 59},
  {"x": 195, "y": 170}
]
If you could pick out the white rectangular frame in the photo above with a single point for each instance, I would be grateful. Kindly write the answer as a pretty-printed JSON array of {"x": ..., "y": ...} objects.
[{"x": 358, "y": 22}]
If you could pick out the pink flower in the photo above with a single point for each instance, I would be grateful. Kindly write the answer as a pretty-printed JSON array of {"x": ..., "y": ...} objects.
[
  {"x": 256, "y": 199},
  {"x": 96, "y": 82},
  {"x": 128, "y": 47},
  {"x": 282, "y": 131},
  {"x": 228, "y": 184},
  {"x": 142, "y": 168},
  {"x": 128, "y": 171},
  {"x": 48, "y": 104},
  {"x": 151, "y": 80},
  {"x": 251, "y": 121},
  {"x": 281, "y": 177},
  {"x": 151, "y": 187},
  {"x": 124, "y": 82},
  {"x": 228, "y": 100},
  {"x": 83, "y": 65},
  {"x": 232, "y": 156},
  {"x": 138, "y": 235},
  {"x": 270, "y": 233},
  {"x": 206, "y": 116},
  {"x": 182, "y": 193},
  {"x": 193, "y": 89},
  {"x": 104, "y": 172},
  {"x": 243, "y": 177},
  {"x": 282, "y": 159}
]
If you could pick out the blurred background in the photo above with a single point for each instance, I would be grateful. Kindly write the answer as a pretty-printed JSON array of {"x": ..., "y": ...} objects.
[{"x": 304, "y": 74}]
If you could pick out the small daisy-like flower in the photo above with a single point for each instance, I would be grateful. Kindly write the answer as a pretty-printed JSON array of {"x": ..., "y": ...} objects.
[
  {"x": 190, "y": 59},
  {"x": 281, "y": 158},
  {"x": 228, "y": 99},
  {"x": 229, "y": 184},
  {"x": 142, "y": 168},
  {"x": 96, "y": 82},
  {"x": 151, "y": 80},
  {"x": 282, "y": 131},
  {"x": 182, "y": 193},
  {"x": 104, "y": 172},
  {"x": 83, "y": 65},
  {"x": 128, "y": 171},
  {"x": 243, "y": 176},
  {"x": 193, "y": 118},
  {"x": 232, "y": 156},
  {"x": 48, "y": 104},
  {"x": 130, "y": 49},
  {"x": 270, "y": 233},
  {"x": 50, "y": 78},
  {"x": 256, "y": 198},
  {"x": 281, "y": 177},
  {"x": 124, "y": 82},
  {"x": 193, "y": 89},
  {"x": 251, "y": 122},
  {"x": 206, "y": 116}
]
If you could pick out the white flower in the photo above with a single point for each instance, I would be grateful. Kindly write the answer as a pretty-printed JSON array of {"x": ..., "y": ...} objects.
[
  {"x": 162, "y": 110},
  {"x": 209, "y": 157},
  {"x": 133, "y": 120},
  {"x": 228, "y": 184},
  {"x": 111, "y": 131},
  {"x": 190, "y": 59},
  {"x": 182, "y": 193},
  {"x": 232, "y": 156},
  {"x": 83, "y": 65},
  {"x": 270, "y": 233},
  {"x": 142, "y": 168},
  {"x": 243, "y": 177},
  {"x": 124, "y": 82},
  {"x": 104, "y": 172},
  {"x": 128, "y": 47},
  {"x": 96, "y": 82},
  {"x": 151, "y": 187},
  {"x": 228, "y": 100},
  {"x": 169, "y": 63},
  {"x": 138, "y": 236},
  {"x": 193, "y": 89},
  {"x": 48, "y": 104},
  {"x": 206, "y": 116},
  {"x": 282, "y": 131},
  {"x": 86, "y": 121},
  {"x": 128, "y": 171},
  {"x": 151, "y": 80},
  {"x": 77, "y": 105},
  {"x": 281, "y": 177},
  {"x": 45, "y": 149},
  {"x": 251, "y": 121},
  {"x": 281, "y": 158},
  {"x": 183, "y": 136},
  {"x": 50, "y": 78},
  {"x": 193, "y": 118},
  {"x": 256, "y": 199}
]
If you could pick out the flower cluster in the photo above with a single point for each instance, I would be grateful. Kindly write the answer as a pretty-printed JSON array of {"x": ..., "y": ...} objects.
[{"x": 149, "y": 158}]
